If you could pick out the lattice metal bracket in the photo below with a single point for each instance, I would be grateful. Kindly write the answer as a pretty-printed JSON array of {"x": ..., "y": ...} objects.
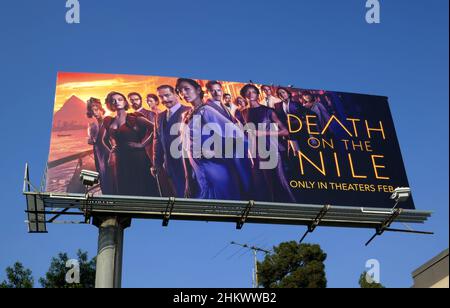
[
  {"x": 244, "y": 215},
  {"x": 316, "y": 221}
]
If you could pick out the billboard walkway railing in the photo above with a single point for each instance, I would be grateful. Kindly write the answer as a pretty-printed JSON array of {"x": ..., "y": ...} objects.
[{"x": 42, "y": 204}]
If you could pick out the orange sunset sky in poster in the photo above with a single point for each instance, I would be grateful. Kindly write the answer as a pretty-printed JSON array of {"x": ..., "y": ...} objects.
[{"x": 86, "y": 85}]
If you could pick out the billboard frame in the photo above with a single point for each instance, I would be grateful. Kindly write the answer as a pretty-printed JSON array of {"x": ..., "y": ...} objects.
[
  {"x": 113, "y": 214},
  {"x": 238, "y": 212}
]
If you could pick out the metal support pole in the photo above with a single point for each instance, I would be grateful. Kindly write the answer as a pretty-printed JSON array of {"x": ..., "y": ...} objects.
[
  {"x": 256, "y": 269},
  {"x": 255, "y": 250},
  {"x": 110, "y": 250}
]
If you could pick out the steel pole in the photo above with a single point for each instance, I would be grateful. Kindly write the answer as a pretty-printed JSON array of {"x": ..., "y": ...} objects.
[
  {"x": 256, "y": 269},
  {"x": 110, "y": 250}
]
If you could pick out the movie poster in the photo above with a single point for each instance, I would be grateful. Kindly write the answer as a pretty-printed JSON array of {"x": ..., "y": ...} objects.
[{"x": 220, "y": 140}]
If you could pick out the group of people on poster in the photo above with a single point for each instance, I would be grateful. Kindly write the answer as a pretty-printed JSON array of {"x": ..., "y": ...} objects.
[{"x": 133, "y": 153}]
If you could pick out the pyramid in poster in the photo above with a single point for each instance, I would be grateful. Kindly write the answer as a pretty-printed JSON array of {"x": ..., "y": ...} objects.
[{"x": 71, "y": 116}]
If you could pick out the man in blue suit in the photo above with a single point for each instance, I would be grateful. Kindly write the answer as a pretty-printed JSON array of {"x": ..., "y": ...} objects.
[{"x": 169, "y": 170}]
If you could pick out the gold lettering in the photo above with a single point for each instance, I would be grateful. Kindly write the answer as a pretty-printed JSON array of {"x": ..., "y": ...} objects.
[
  {"x": 289, "y": 116},
  {"x": 309, "y": 124},
  {"x": 345, "y": 143},
  {"x": 336, "y": 161},
  {"x": 334, "y": 118},
  {"x": 376, "y": 167},
  {"x": 355, "y": 130},
  {"x": 328, "y": 143},
  {"x": 380, "y": 129},
  {"x": 320, "y": 169},
  {"x": 350, "y": 160},
  {"x": 357, "y": 145}
]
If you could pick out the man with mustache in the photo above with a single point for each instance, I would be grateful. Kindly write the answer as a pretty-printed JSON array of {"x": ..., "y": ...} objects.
[
  {"x": 215, "y": 90},
  {"x": 136, "y": 102},
  {"x": 167, "y": 167}
]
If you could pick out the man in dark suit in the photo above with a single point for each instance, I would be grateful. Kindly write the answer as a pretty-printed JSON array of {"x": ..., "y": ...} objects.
[
  {"x": 215, "y": 90},
  {"x": 167, "y": 168},
  {"x": 136, "y": 102},
  {"x": 297, "y": 113}
]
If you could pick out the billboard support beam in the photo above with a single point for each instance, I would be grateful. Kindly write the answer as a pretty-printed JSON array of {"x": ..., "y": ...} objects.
[
  {"x": 168, "y": 211},
  {"x": 385, "y": 225},
  {"x": 110, "y": 250},
  {"x": 58, "y": 214},
  {"x": 39, "y": 204},
  {"x": 244, "y": 215},
  {"x": 315, "y": 223},
  {"x": 409, "y": 231}
]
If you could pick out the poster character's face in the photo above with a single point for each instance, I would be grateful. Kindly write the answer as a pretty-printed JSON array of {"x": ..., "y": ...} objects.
[
  {"x": 151, "y": 102},
  {"x": 284, "y": 95},
  {"x": 188, "y": 92},
  {"x": 308, "y": 101},
  {"x": 251, "y": 94},
  {"x": 167, "y": 98},
  {"x": 216, "y": 92},
  {"x": 97, "y": 112},
  {"x": 135, "y": 101},
  {"x": 227, "y": 99},
  {"x": 118, "y": 101},
  {"x": 267, "y": 91},
  {"x": 240, "y": 102}
]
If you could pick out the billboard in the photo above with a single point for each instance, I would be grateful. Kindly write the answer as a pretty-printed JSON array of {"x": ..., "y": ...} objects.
[{"x": 219, "y": 140}]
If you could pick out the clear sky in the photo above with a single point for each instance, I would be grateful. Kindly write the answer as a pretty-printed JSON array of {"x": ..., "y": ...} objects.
[{"x": 322, "y": 44}]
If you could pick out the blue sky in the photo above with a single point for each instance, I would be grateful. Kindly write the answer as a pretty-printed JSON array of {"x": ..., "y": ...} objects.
[{"x": 322, "y": 44}]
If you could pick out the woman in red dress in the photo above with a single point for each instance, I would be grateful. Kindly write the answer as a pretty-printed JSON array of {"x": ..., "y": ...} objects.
[{"x": 126, "y": 135}]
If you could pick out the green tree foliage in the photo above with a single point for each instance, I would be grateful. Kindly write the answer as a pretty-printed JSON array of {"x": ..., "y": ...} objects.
[
  {"x": 56, "y": 275},
  {"x": 364, "y": 284},
  {"x": 18, "y": 277},
  {"x": 293, "y": 265}
]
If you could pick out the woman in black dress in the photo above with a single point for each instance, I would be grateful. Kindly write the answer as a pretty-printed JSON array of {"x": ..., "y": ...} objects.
[
  {"x": 126, "y": 135},
  {"x": 271, "y": 184}
]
